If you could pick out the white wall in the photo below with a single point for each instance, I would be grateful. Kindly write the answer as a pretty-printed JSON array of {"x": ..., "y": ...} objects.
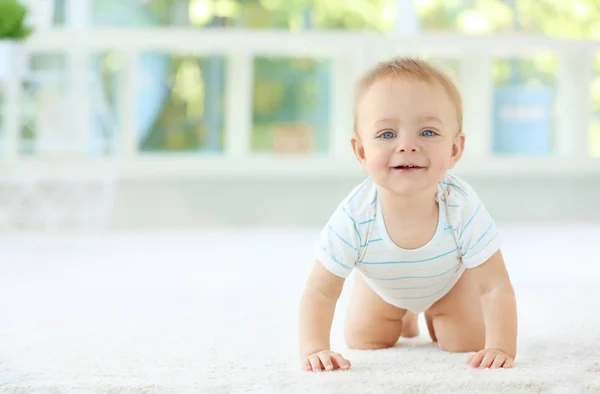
[{"x": 186, "y": 202}]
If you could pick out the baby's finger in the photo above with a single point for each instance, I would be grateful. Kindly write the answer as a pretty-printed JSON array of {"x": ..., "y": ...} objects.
[
  {"x": 306, "y": 364},
  {"x": 341, "y": 362},
  {"x": 315, "y": 363},
  {"x": 498, "y": 361},
  {"x": 326, "y": 360},
  {"x": 471, "y": 357},
  {"x": 488, "y": 360},
  {"x": 476, "y": 359},
  {"x": 509, "y": 363}
]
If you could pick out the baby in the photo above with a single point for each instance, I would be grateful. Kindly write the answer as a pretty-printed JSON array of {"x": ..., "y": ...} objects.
[{"x": 420, "y": 238}]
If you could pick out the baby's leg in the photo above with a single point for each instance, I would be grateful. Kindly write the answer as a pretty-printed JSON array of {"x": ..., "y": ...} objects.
[
  {"x": 372, "y": 323},
  {"x": 456, "y": 320}
]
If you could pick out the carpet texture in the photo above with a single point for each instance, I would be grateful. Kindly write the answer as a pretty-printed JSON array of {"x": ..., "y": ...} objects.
[{"x": 194, "y": 312}]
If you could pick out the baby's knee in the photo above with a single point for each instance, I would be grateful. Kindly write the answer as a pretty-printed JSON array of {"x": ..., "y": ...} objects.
[
  {"x": 460, "y": 346},
  {"x": 374, "y": 333},
  {"x": 360, "y": 342},
  {"x": 369, "y": 337}
]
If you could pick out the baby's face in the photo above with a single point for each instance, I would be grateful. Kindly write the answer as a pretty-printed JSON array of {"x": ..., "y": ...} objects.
[{"x": 408, "y": 134}]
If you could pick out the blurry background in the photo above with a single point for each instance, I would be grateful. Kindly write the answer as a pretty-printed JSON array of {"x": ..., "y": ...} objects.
[
  {"x": 211, "y": 137},
  {"x": 203, "y": 113}
]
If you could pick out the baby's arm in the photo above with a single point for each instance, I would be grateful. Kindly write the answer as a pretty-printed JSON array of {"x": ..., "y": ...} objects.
[
  {"x": 499, "y": 313},
  {"x": 317, "y": 308}
]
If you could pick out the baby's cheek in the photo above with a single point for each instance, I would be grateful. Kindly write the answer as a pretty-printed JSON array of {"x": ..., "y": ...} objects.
[
  {"x": 377, "y": 164},
  {"x": 441, "y": 158}
]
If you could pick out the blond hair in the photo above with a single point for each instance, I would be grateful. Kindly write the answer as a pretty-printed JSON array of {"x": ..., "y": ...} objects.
[{"x": 407, "y": 67}]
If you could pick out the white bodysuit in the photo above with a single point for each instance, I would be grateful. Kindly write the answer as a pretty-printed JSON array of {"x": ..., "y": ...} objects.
[{"x": 355, "y": 237}]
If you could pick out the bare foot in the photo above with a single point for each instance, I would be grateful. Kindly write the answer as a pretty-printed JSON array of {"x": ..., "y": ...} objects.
[{"x": 410, "y": 325}]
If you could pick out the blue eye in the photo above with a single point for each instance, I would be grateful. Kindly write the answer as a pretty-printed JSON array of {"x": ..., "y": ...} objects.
[
  {"x": 427, "y": 133},
  {"x": 387, "y": 135}
]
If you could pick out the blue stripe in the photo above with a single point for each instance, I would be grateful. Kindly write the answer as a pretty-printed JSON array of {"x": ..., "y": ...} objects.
[
  {"x": 453, "y": 185},
  {"x": 480, "y": 238},
  {"x": 334, "y": 259},
  {"x": 342, "y": 239},
  {"x": 366, "y": 221},
  {"x": 453, "y": 206},
  {"x": 373, "y": 202},
  {"x": 449, "y": 228},
  {"x": 427, "y": 296},
  {"x": 418, "y": 277},
  {"x": 354, "y": 223},
  {"x": 411, "y": 288},
  {"x": 370, "y": 242},
  {"x": 469, "y": 222},
  {"x": 409, "y": 261},
  {"x": 360, "y": 187},
  {"x": 343, "y": 265}
]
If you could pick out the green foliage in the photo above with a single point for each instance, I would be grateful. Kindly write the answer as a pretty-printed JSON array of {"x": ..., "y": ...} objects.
[
  {"x": 12, "y": 20},
  {"x": 564, "y": 19},
  {"x": 286, "y": 14}
]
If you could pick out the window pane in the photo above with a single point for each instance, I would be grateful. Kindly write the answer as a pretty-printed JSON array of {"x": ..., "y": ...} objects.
[
  {"x": 43, "y": 99},
  {"x": 294, "y": 15},
  {"x": 595, "y": 128},
  {"x": 117, "y": 13},
  {"x": 181, "y": 103},
  {"x": 46, "y": 13},
  {"x": 60, "y": 11},
  {"x": 291, "y": 109},
  {"x": 112, "y": 13},
  {"x": 106, "y": 80},
  {"x": 523, "y": 112}
]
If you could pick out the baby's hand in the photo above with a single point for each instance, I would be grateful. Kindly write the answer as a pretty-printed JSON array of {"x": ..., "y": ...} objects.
[
  {"x": 491, "y": 358},
  {"x": 325, "y": 360}
]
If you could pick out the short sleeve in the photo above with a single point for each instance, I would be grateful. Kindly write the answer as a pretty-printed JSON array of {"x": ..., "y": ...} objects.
[
  {"x": 476, "y": 233},
  {"x": 339, "y": 243}
]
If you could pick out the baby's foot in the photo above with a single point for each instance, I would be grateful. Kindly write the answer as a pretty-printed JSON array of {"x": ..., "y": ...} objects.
[{"x": 410, "y": 325}]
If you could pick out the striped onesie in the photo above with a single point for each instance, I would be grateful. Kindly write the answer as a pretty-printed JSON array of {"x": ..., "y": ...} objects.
[{"x": 355, "y": 237}]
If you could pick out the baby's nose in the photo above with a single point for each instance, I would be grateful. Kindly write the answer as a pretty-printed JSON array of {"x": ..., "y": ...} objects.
[
  {"x": 407, "y": 146},
  {"x": 408, "y": 149}
]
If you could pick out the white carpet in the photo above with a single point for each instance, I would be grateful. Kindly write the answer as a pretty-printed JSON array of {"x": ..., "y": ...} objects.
[{"x": 217, "y": 313}]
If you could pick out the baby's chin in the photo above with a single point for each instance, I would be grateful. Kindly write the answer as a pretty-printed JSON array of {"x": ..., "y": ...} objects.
[
  {"x": 409, "y": 187},
  {"x": 408, "y": 192}
]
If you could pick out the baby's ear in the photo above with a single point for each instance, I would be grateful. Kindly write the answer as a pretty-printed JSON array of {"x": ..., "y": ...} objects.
[
  {"x": 458, "y": 147},
  {"x": 358, "y": 149}
]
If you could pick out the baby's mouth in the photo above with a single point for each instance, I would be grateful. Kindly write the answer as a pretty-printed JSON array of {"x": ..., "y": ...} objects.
[{"x": 407, "y": 168}]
